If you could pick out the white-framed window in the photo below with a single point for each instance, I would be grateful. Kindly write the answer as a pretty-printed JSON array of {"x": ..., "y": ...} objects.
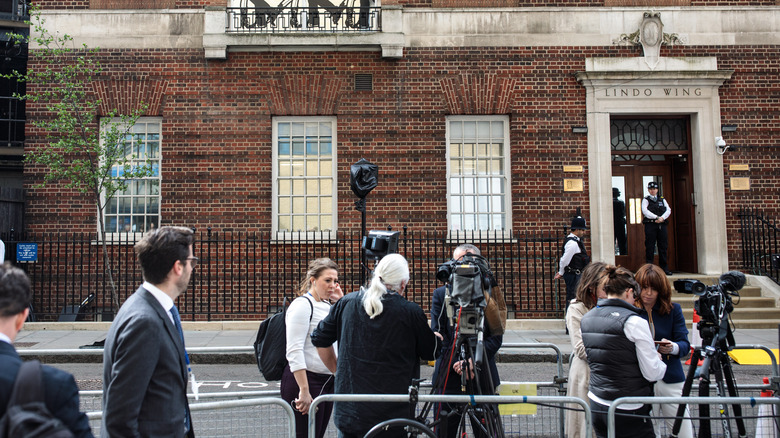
[
  {"x": 136, "y": 209},
  {"x": 304, "y": 176},
  {"x": 478, "y": 194}
]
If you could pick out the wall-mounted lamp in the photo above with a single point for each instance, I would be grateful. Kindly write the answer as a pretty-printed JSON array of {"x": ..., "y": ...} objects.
[
  {"x": 728, "y": 128},
  {"x": 720, "y": 145},
  {"x": 579, "y": 129}
]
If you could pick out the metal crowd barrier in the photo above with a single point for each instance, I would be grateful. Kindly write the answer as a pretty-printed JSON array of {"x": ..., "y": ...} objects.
[
  {"x": 211, "y": 427},
  {"x": 715, "y": 419},
  {"x": 490, "y": 399}
]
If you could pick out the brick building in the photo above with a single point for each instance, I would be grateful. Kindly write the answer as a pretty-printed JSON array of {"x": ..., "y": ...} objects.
[{"x": 481, "y": 115}]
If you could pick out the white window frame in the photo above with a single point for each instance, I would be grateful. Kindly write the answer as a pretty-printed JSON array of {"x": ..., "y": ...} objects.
[
  {"x": 288, "y": 235},
  {"x": 506, "y": 180},
  {"x": 133, "y": 236}
]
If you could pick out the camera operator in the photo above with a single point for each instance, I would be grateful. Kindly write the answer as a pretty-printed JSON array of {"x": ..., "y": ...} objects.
[
  {"x": 622, "y": 357},
  {"x": 447, "y": 372}
]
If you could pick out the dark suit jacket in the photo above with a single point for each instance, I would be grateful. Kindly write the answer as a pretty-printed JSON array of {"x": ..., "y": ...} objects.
[
  {"x": 144, "y": 372},
  {"x": 61, "y": 394},
  {"x": 439, "y": 324},
  {"x": 671, "y": 327}
]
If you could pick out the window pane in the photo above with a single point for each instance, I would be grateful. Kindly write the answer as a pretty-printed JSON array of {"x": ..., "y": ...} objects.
[
  {"x": 455, "y": 150},
  {"x": 284, "y": 223},
  {"x": 482, "y": 167},
  {"x": 312, "y": 187},
  {"x": 297, "y": 168},
  {"x": 297, "y": 147},
  {"x": 456, "y": 130},
  {"x": 326, "y": 168},
  {"x": 284, "y": 148},
  {"x": 312, "y": 223},
  {"x": 326, "y": 147},
  {"x": 326, "y": 222},
  {"x": 311, "y": 168},
  {"x": 326, "y": 205},
  {"x": 297, "y": 129},
  {"x": 284, "y": 206},
  {"x": 298, "y": 187},
  {"x": 483, "y": 129},
  {"x": 312, "y": 148},
  {"x": 455, "y": 185},
  {"x": 284, "y": 187},
  {"x": 153, "y": 206},
  {"x": 298, "y": 223},
  {"x": 285, "y": 168},
  {"x": 312, "y": 206},
  {"x": 497, "y": 129},
  {"x": 326, "y": 187},
  {"x": 469, "y": 130}
]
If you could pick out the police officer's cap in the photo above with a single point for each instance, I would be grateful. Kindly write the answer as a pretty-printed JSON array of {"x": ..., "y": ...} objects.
[
  {"x": 652, "y": 185},
  {"x": 578, "y": 223}
]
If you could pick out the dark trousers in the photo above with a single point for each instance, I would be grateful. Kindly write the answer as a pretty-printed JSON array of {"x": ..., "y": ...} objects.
[
  {"x": 656, "y": 234},
  {"x": 318, "y": 384},
  {"x": 628, "y": 424},
  {"x": 571, "y": 279}
]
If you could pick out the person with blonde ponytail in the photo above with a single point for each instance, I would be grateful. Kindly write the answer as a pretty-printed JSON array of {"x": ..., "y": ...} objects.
[
  {"x": 305, "y": 376},
  {"x": 381, "y": 338}
]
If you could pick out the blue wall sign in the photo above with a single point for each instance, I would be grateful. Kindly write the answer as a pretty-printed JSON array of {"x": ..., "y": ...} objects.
[{"x": 26, "y": 252}]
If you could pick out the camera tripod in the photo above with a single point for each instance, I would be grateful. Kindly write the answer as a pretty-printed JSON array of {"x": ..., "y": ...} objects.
[
  {"x": 715, "y": 341},
  {"x": 484, "y": 419}
]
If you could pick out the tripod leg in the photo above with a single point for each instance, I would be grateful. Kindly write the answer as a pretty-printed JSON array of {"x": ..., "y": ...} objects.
[
  {"x": 721, "y": 392},
  {"x": 704, "y": 410},
  {"x": 728, "y": 374},
  {"x": 686, "y": 391}
]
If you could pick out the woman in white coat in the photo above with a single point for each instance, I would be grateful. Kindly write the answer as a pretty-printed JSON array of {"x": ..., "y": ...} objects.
[{"x": 589, "y": 291}]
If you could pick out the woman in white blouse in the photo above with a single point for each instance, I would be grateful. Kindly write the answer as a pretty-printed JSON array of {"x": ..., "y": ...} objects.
[{"x": 305, "y": 376}]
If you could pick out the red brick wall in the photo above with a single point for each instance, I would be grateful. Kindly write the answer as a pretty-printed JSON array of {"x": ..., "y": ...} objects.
[{"x": 217, "y": 130}]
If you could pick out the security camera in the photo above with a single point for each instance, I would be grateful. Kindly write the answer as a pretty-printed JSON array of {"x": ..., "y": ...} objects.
[{"x": 720, "y": 145}]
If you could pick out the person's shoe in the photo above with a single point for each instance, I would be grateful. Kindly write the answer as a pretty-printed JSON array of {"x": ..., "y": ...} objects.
[{"x": 668, "y": 272}]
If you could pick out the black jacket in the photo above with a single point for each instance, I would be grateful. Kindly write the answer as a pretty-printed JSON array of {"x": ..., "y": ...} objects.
[
  {"x": 614, "y": 367},
  {"x": 60, "y": 391},
  {"x": 375, "y": 356}
]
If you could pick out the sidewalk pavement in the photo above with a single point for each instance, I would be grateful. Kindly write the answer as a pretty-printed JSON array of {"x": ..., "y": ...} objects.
[{"x": 77, "y": 335}]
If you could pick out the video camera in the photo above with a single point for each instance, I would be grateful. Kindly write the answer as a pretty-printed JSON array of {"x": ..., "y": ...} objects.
[
  {"x": 470, "y": 279},
  {"x": 715, "y": 302}
]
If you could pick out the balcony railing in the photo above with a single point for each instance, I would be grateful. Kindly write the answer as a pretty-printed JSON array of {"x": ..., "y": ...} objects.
[
  {"x": 15, "y": 10},
  {"x": 289, "y": 19}
]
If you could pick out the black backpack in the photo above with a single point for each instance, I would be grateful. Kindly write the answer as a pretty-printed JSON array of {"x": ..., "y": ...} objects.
[
  {"x": 27, "y": 415},
  {"x": 271, "y": 344}
]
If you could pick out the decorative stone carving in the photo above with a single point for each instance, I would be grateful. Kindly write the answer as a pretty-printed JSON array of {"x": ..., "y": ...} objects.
[{"x": 650, "y": 36}]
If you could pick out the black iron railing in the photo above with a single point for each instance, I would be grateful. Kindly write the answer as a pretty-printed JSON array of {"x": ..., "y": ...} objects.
[
  {"x": 760, "y": 244},
  {"x": 245, "y": 275},
  {"x": 292, "y": 19}
]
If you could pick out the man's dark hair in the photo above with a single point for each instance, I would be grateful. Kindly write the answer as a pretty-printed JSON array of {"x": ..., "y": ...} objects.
[
  {"x": 159, "y": 249},
  {"x": 14, "y": 290}
]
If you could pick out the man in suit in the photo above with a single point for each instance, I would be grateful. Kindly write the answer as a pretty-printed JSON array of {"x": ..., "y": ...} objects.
[
  {"x": 145, "y": 365},
  {"x": 61, "y": 395}
]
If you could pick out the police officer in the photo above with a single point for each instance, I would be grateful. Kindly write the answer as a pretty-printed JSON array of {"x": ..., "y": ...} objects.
[
  {"x": 656, "y": 211},
  {"x": 574, "y": 258}
]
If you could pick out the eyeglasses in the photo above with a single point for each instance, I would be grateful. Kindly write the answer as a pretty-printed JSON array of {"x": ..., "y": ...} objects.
[{"x": 193, "y": 261}]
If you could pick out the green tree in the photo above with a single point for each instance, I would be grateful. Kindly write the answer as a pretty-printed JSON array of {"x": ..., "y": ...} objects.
[{"x": 80, "y": 154}]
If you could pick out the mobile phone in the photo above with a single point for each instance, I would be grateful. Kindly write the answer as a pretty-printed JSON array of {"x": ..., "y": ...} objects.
[{"x": 662, "y": 342}]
